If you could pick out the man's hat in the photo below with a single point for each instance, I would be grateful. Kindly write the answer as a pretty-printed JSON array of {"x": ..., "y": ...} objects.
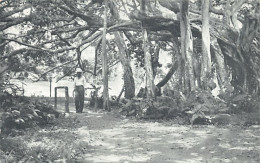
[{"x": 78, "y": 70}]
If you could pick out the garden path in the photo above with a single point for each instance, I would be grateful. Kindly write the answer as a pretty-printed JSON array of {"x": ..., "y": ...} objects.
[{"x": 112, "y": 138}]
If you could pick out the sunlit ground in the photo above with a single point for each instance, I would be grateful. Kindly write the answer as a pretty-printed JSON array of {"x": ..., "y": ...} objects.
[{"x": 133, "y": 141}]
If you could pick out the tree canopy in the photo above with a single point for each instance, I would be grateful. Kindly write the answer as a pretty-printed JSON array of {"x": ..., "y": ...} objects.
[{"x": 219, "y": 39}]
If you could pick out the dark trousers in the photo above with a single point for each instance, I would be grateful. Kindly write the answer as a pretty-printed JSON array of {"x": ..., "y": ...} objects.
[{"x": 79, "y": 98}]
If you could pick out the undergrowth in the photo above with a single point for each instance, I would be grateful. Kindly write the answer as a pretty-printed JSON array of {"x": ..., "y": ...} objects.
[
  {"x": 20, "y": 113},
  {"x": 197, "y": 107},
  {"x": 53, "y": 143}
]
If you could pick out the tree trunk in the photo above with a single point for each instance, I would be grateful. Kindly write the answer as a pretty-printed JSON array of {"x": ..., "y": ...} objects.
[
  {"x": 120, "y": 94},
  {"x": 3, "y": 66},
  {"x": 237, "y": 51},
  {"x": 183, "y": 59},
  {"x": 148, "y": 60},
  {"x": 221, "y": 67},
  {"x": 129, "y": 82},
  {"x": 247, "y": 35},
  {"x": 155, "y": 59},
  {"x": 106, "y": 104},
  {"x": 206, "y": 56},
  {"x": 187, "y": 44}
]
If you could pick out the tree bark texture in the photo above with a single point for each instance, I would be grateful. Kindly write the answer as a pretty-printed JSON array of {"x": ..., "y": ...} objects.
[
  {"x": 206, "y": 56},
  {"x": 148, "y": 60},
  {"x": 106, "y": 104},
  {"x": 129, "y": 83},
  {"x": 221, "y": 67},
  {"x": 183, "y": 71},
  {"x": 187, "y": 44}
]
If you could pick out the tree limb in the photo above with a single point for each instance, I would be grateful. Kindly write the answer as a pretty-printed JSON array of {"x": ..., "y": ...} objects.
[
  {"x": 12, "y": 12},
  {"x": 91, "y": 19},
  {"x": 36, "y": 47},
  {"x": 216, "y": 11},
  {"x": 14, "y": 22},
  {"x": 64, "y": 40},
  {"x": 54, "y": 69}
]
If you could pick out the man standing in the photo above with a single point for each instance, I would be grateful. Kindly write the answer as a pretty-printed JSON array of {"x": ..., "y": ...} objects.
[{"x": 79, "y": 83}]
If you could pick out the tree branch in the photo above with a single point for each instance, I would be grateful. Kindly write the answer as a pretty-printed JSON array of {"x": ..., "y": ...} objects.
[
  {"x": 12, "y": 12},
  {"x": 41, "y": 48},
  {"x": 91, "y": 19},
  {"x": 14, "y": 22},
  {"x": 24, "y": 44},
  {"x": 64, "y": 40},
  {"x": 215, "y": 11},
  {"x": 109, "y": 66},
  {"x": 54, "y": 69}
]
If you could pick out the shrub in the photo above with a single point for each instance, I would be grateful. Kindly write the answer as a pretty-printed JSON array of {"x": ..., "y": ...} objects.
[{"x": 21, "y": 113}]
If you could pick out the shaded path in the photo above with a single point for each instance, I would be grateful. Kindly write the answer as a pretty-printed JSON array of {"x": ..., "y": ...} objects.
[{"x": 114, "y": 139}]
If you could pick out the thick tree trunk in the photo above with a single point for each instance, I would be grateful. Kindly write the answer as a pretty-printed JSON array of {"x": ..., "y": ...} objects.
[
  {"x": 148, "y": 66},
  {"x": 106, "y": 104},
  {"x": 187, "y": 44},
  {"x": 221, "y": 67},
  {"x": 180, "y": 72},
  {"x": 206, "y": 56},
  {"x": 148, "y": 60},
  {"x": 129, "y": 82},
  {"x": 247, "y": 35},
  {"x": 183, "y": 71},
  {"x": 237, "y": 51}
]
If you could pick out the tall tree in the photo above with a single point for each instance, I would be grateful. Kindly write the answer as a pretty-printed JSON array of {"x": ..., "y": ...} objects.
[
  {"x": 106, "y": 104},
  {"x": 129, "y": 83},
  {"x": 206, "y": 56},
  {"x": 187, "y": 45},
  {"x": 236, "y": 42},
  {"x": 124, "y": 56},
  {"x": 147, "y": 59}
]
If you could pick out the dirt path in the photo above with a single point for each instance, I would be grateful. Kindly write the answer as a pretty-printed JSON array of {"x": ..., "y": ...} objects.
[{"x": 114, "y": 139}]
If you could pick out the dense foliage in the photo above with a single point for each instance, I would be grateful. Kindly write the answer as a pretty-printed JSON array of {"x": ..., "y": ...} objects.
[
  {"x": 197, "y": 107},
  {"x": 21, "y": 113}
]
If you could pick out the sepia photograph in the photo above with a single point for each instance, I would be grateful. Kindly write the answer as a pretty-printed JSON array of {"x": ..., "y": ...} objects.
[{"x": 129, "y": 81}]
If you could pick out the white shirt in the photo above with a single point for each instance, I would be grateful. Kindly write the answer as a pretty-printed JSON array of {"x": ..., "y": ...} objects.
[{"x": 79, "y": 81}]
